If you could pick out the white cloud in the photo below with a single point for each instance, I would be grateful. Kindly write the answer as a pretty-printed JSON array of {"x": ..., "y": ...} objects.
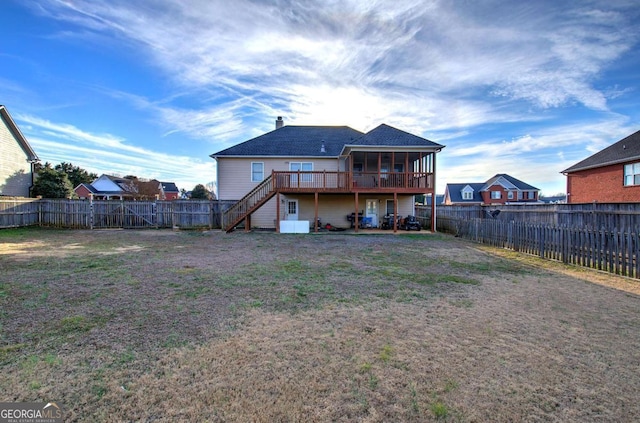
[
  {"x": 437, "y": 67},
  {"x": 107, "y": 153},
  {"x": 536, "y": 158},
  {"x": 446, "y": 52}
]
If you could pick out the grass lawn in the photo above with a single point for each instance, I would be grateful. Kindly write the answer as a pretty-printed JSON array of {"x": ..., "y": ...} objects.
[{"x": 206, "y": 326}]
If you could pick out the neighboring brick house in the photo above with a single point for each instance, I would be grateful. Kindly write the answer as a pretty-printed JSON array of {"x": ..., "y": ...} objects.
[
  {"x": 17, "y": 159},
  {"x": 500, "y": 189},
  {"x": 169, "y": 191},
  {"x": 611, "y": 175},
  {"x": 108, "y": 187},
  {"x": 302, "y": 173}
]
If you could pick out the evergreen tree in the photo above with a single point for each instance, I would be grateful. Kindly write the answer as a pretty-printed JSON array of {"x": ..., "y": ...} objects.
[
  {"x": 76, "y": 174},
  {"x": 51, "y": 183},
  {"x": 200, "y": 192}
]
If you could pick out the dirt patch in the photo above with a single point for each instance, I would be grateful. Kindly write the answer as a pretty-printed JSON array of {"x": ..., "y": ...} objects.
[{"x": 263, "y": 327}]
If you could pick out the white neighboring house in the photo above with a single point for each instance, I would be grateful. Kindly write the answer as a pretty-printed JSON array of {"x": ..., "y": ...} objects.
[{"x": 17, "y": 159}]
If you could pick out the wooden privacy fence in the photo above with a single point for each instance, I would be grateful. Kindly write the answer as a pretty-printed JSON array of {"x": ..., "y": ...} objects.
[
  {"x": 613, "y": 251},
  {"x": 19, "y": 212},
  {"x": 99, "y": 214},
  {"x": 595, "y": 215}
]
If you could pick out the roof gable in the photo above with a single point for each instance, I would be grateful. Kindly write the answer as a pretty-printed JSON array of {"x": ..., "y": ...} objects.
[
  {"x": 107, "y": 183},
  {"x": 625, "y": 150},
  {"x": 17, "y": 134},
  {"x": 509, "y": 183},
  {"x": 385, "y": 135}
]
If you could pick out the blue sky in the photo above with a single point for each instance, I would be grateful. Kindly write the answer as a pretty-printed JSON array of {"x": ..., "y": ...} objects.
[{"x": 152, "y": 88}]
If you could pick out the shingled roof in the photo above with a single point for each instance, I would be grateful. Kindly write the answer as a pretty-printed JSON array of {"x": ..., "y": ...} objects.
[
  {"x": 295, "y": 141},
  {"x": 625, "y": 150},
  {"x": 455, "y": 192},
  {"x": 301, "y": 141},
  {"x": 517, "y": 183},
  {"x": 385, "y": 135}
]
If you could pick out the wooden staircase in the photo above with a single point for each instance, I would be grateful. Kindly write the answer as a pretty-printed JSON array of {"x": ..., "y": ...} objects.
[{"x": 249, "y": 203}]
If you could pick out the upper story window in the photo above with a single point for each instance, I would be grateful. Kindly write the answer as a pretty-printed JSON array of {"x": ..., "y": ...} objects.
[
  {"x": 510, "y": 195},
  {"x": 302, "y": 167},
  {"x": 467, "y": 195},
  {"x": 496, "y": 195},
  {"x": 632, "y": 174},
  {"x": 257, "y": 171}
]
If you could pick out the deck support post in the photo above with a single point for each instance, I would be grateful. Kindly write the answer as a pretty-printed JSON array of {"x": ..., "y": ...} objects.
[
  {"x": 395, "y": 212},
  {"x": 247, "y": 223},
  {"x": 315, "y": 218},
  {"x": 278, "y": 212},
  {"x": 355, "y": 218},
  {"x": 433, "y": 194}
]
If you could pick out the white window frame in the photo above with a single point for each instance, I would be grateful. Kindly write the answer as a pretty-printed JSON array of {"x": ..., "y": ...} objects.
[
  {"x": 254, "y": 174},
  {"x": 302, "y": 165},
  {"x": 496, "y": 195},
  {"x": 631, "y": 174},
  {"x": 510, "y": 195},
  {"x": 467, "y": 195}
]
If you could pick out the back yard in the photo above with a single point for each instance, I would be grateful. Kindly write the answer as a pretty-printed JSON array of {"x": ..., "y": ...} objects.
[{"x": 203, "y": 326}]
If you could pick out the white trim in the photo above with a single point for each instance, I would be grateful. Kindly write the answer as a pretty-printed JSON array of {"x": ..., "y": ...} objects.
[{"x": 251, "y": 176}]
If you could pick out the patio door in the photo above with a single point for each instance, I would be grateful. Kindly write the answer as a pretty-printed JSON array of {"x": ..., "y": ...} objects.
[
  {"x": 372, "y": 212},
  {"x": 292, "y": 210}
]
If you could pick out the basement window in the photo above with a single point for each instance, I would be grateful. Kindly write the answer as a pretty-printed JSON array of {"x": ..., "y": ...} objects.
[{"x": 632, "y": 174}]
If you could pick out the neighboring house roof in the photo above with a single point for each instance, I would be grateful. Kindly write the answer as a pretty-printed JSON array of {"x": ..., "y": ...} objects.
[
  {"x": 454, "y": 191},
  {"x": 169, "y": 187},
  {"x": 31, "y": 155},
  {"x": 554, "y": 199},
  {"x": 625, "y": 150},
  {"x": 130, "y": 187},
  {"x": 509, "y": 183},
  {"x": 88, "y": 187},
  {"x": 308, "y": 141}
]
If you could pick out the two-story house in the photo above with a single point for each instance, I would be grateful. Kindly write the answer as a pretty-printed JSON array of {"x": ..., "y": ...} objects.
[
  {"x": 611, "y": 175},
  {"x": 17, "y": 158},
  {"x": 500, "y": 189},
  {"x": 303, "y": 173}
]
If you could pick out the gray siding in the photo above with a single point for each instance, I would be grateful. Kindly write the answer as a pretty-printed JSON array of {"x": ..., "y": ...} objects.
[{"x": 15, "y": 170}]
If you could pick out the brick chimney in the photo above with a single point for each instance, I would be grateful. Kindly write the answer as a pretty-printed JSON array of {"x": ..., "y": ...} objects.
[{"x": 279, "y": 122}]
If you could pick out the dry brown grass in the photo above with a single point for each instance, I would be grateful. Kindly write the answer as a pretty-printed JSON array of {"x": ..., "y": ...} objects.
[{"x": 268, "y": 328}]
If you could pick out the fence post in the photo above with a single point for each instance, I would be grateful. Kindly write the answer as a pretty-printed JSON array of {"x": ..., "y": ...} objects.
[
  {"x": 91, "y": 218},
  {"x": 154, "y": 208},
  {"x": 211, "y": 213}
]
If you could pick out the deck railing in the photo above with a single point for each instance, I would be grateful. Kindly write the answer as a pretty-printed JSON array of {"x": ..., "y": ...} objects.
[{"x": 336, "y": 181}]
